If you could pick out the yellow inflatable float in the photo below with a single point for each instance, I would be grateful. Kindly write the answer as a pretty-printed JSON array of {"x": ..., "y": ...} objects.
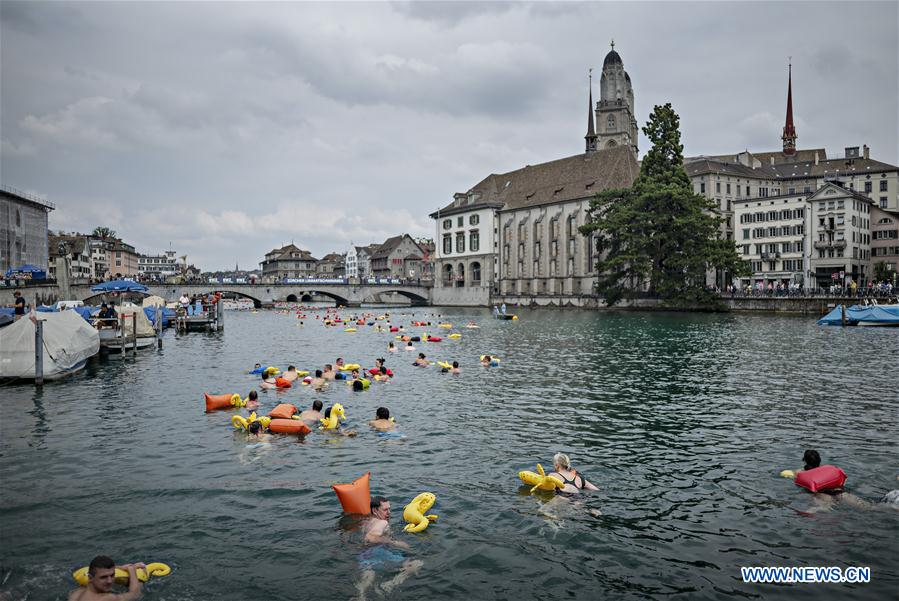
[
  {"x": 445, "y": 326},
  {"x": 330, "y": 422},
  {"x": 456, "y": 335},
  {"x": 243, "y": 423},
  {"x": 540, "y": 480},
  {"x": 414, "y": 512},
  {"x": 787, "y": 474},
  {"x": 349, "y": 367},
  {"x": 350, "y": 330},
  {"x": 121, "y": 576},
  {"x": 445, "y": 364}
]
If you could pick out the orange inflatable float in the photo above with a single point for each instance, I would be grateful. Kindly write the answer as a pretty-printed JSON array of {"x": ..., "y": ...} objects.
[
  {"x": 283, "y": 411},
  {"x": 288, "y": 426},
  {"x": 282, "y": 382},
  {"x": 355, "y": 497},
  {"x": 222, "y": 401}
]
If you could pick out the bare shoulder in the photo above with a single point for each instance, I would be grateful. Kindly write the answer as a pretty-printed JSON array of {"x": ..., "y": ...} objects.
[{"x": 76, "y": 594}]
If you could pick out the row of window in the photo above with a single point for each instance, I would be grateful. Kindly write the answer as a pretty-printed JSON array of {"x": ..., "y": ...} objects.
[
  {"x": 886, "y": 235},
  {"x": 774, "y": 232},
  {"x": 830, "y": 222},
  {"x": 773, "y": 247},
  {"x": 474, "y": 242},
  {"x": 460, "y": 221},
  {"x": 786, "y": 265},
  {"x": 782, "y": 215},
  {"x": 884, "y": 251}
]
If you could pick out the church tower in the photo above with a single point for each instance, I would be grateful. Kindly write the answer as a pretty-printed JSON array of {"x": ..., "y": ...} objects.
[
  {"x": 615, "y": 121},
  {"x": 789, "y": 136}
]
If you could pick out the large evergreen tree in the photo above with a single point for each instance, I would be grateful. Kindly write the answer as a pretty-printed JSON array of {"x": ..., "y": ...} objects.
[{"x": 659, "y": 232}]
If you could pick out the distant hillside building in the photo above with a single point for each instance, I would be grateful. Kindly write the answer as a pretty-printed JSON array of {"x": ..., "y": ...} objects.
[
  {"x": 331, "y": 265},
  {"x": 399, "y": 257},
  {"x": 23, "y": 229},
  {"x": 288, "y": 262},
  {"x": 158, "y": 267}
]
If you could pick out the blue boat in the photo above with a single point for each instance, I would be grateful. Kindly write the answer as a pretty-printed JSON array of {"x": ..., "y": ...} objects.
[{"x": 860, "y": 315}]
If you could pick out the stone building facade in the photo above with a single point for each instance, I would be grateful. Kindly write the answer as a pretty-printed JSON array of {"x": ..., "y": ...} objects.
[
  {"x": 514, "y": 236},
  {"x": 23, "y": 229},
  {"x": 288, "y": 261},
  {"x": 885, "y": 240},
  {"x": 398, "y": 257},
  {"x": 840, "y": 227},
  {"x": 771, "y": 237}
]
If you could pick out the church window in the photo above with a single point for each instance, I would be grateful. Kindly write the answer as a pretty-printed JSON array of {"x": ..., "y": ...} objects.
[{"x": 611, "y": 123}]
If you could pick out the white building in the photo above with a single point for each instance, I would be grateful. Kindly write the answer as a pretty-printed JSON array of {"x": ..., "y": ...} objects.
[
  {"x": 158, "y": 267},
  {"x": 771, "y": 235},
  {"x": 840, "y": 227}
]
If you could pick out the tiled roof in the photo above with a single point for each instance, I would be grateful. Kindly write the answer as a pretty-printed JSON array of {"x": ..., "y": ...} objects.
[
  {"x": 571, "y": 178},
  {"x": 798, "y": 169}
]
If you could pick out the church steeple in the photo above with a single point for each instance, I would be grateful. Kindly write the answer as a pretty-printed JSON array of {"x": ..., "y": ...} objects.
[
  {"x": 789, "y": 135},
  {"x": 591, "y": 131}
]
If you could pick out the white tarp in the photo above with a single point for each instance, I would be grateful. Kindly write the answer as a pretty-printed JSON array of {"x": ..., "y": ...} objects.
[
  {"x": 144, "y": 327},
  {"x": 153, "y": 301},
  {"x": 68, "y": 341}
]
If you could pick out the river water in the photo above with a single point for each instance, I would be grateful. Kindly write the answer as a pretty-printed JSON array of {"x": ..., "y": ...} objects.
[{"x": 683, "y": 421}]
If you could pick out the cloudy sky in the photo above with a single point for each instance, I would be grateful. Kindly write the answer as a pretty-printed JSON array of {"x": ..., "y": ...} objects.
[{"x": 226, "y": 128}]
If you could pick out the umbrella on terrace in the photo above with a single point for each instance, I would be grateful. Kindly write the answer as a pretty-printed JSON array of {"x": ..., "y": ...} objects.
[{"x": 119, "y": 286}]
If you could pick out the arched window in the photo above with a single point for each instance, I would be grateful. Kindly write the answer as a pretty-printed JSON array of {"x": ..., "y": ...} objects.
[
  {"x": 18, "y": 218},
  {"x": 448, "y": 275},
  {"x": 460, "y": 275},
  {"x": 611, "y": 123},
  {"x": 611, "y": 144},
  {"x": 476, "y": 273}
]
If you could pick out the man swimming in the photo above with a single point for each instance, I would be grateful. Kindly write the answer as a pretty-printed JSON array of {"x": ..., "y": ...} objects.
[
  {"x": 312, "y": 416},
  {"x": 101, "y": 579},
  {"x": 382, "y": 421},
  {"x": 383, "y": 551}
]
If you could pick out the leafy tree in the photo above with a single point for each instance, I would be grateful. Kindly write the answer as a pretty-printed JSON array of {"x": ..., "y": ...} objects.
[
  {"x": 881, "y": 272},
  {"x": 658, "y": 232},
  {"x": 103, "y": 232}
]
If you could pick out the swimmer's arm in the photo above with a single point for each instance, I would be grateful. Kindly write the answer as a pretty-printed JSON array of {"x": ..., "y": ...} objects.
[
  {"x": 589, "y": 485},
  {"x": 134, "y": 584}
]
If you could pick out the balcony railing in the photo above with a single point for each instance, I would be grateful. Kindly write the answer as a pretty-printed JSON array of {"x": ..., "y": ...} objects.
[{"x": 821, "y": 245}]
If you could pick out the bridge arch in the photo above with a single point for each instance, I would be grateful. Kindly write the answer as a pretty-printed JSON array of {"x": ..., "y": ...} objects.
[
  {"x": 416, "y": 299},
  {"x": 306, "y": 295}
]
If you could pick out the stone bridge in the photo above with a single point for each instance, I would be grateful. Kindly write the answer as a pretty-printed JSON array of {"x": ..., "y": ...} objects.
[{"x": 348, "y": 295}]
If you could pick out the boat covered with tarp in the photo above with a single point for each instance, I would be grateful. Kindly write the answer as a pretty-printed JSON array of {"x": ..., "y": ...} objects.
[
  {"x": 68, "y": 342},
  {"x": 860, "y": 315}
]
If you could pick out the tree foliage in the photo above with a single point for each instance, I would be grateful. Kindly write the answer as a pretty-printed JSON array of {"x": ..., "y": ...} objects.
[
  {"x": 103, "y": 232},
  {"x": 658, "y": 233}
]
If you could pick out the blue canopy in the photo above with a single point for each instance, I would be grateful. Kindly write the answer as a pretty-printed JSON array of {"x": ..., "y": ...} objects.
[
  {"x": 888, "y": 315},
  {"x": 36, "y": 272},
  {"x": 119, "y": 286},
  {"x": 167, "y": 315}
]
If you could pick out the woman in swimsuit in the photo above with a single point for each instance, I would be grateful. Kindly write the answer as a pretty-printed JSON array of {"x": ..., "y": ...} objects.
[{"x": 574, "y": 482}]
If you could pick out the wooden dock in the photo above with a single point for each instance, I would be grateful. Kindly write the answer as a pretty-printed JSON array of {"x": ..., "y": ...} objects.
[{"x": 210, "y": 320}]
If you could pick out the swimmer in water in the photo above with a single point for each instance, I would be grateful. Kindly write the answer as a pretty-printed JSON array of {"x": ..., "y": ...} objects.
[
  {"x": 291, "y": 374},
  {"x": 252, "y": 400},
  {"x": 391, "y": 348},
  {"x": 312, "y": 416},
  {"x": 329, "y": 373},
  {"x": 318, "y": 382},
  {"x": 382, "y": 551},
  {"x": 409, "y": 346},
  {"x": 825, "y": 500},
  {"x": 485, "y": 360},
  {"x": 339, "y": 429},
  {"x": 421, "y": 361},
  {"x": 256, "y": 431},
  {"x": 101, "y": 579},
  {"x": 382, "y": 421},
  {"x": 574, "y": 482},
  {"x": 268, "y": 380},
  {"x": 455, "y": 369}
]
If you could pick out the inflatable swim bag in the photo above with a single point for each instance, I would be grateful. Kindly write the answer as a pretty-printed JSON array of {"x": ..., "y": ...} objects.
[
  {"x": 283, "y": 411},
  {"x": 825, "y": 477},
  {"x": 288, "y": 426},
  {"x": 355, "y": 497},
  {"x": 223, "y": 401}
]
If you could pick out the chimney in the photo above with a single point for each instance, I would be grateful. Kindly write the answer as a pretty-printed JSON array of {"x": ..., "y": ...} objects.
[
  {"x": 772, "y": 160},
  {"x": 816, "y": 157},
  {"x": 866, "y": 151}
]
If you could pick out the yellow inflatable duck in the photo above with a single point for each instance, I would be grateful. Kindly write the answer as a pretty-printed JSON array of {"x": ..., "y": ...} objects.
[
  {"x": 540, "y": 479},
  {"x": 121, "y": 576},
  {"x": 445, "y": 364},
  {"x": 414, "y": 512},
  {"x": 349, "y": 367},
  {"x": 243, "y": 423},
  {"x": 330, "y": 422}
]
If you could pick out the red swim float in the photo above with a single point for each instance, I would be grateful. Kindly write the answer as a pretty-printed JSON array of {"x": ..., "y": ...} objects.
[
  {"x": 283, "y": 411},
  {"x": 375, "y": 371},
  {"x": 218, "y": 401},
  {"x": 394, "y": 329},
  {"x": 289, "y": 426},
  {"x": 355, "y": 497},
  {"x": 434, "y": 339},
  {"x": 282, "y": 382},
  {"x": 825, "y": 477}
]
